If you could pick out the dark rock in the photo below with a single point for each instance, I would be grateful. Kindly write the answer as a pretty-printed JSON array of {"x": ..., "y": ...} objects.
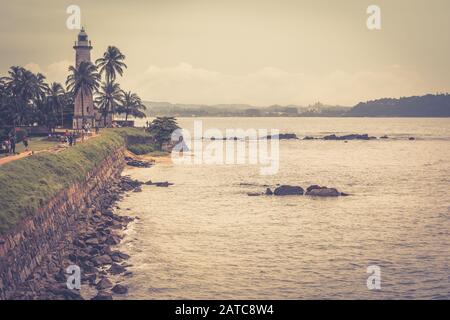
[
  {"x": 116, "y": 269},
  {"x": 348, "y": 137},
  {"x": 113, "y": 240},
  {"x": 286, "y": 190},
  {"x": 103, "y": 284},
  {"x": 78, "y": 243},
  {"x": 314, "y": 186},
  {"x": 127, "y": 184},
  {"x": 384, "y": 137},
  {"x": 102, "y": 260},
  {"x": 283, "y": 136},
  {"x": 117, "y": 256},
  {"x": 72, "y": 257},
  {"x": 92, "y": 242},
  {"x": 411, "y": 138},
  {"x": 139, "y": 164},
  {"x": 101, "y": 295},
  {"x": 253, "y": 194},
  {"x": 120, "y": 289},
  {"x": 148, "y": 183},
  {"x": 123, "y": 256},
  {"x": 309, "y": 138},
  {"x": 89, "y": 278},
  {"x": 163, "y": 184},
  {"x": 317, "y": 191},
  {"x": 60, "y": 276},
  {"x": 67, "y": 294},
  {"x": 269, "y": 192},
  {"x": 108, "y": 213}
]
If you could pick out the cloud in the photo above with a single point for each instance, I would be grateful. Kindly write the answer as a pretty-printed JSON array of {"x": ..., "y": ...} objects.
[
  {"x": 187, "y": 84},
  {"x": 55, "y": 72}
]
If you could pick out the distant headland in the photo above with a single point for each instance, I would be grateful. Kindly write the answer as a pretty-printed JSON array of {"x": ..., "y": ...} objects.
[{"x": 430, "y": 105}]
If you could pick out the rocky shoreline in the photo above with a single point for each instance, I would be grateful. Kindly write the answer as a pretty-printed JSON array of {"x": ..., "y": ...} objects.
[{"x": 89, "y": 246}]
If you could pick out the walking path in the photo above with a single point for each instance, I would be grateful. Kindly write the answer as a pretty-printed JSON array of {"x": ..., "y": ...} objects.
[
  {"x": 15, "y": 157},
  {"x": 54, "y": 149}
]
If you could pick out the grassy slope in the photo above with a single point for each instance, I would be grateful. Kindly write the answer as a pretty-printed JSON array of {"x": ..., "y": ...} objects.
[
  {"x": 35, "y": 144},
  {"x": 27, "y": 183}
]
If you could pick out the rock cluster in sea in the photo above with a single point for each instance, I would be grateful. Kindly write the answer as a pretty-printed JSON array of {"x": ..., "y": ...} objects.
[
  {"x": 138, "y": 163},
  {"x": 288, "y": 190}
]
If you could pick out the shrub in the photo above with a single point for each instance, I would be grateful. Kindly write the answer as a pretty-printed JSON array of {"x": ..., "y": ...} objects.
[
  {"x": 140, "y": 149},
  {"x": 20, "y": 134}
]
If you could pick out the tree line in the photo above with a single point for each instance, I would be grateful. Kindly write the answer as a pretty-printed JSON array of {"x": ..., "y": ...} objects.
[
  {"x": 430, "y": 105},
  {"x": 26, "y": 98}
]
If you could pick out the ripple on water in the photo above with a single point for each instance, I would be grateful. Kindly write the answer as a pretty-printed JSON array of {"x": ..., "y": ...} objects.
[{"x": 204, "y": 238}]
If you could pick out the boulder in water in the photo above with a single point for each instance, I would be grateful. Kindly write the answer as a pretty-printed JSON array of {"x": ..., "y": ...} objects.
[
  {"x": 349, "y": 137},
  {"x": 283, "y": 136},
  {"x": 318, "y": 191},
  {"x": 139, "y": 164},
  {"x": 120, "y": 289},
  {"x": 286, "y": 190}
]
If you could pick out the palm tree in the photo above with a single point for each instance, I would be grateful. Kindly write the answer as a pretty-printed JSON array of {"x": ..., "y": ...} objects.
[
  {"x": 109, "y": 96},
  {"x": 25, "y": 92},
  {"x": 57, "y": 99},
  {"x": 4, "y": 106},
  {"x": 111, "y": 63},
  {"x": 132, "y": 105},
  {"x": 83, "y": 80}
]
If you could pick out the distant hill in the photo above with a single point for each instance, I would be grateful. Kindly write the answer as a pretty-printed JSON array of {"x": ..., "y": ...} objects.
[
  {"x": 418, "y": 106},
  {"x": 241, "y": 110}
]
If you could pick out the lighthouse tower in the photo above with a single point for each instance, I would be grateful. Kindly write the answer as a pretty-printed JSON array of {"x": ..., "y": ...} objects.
[{"x": 87, "y": 116}]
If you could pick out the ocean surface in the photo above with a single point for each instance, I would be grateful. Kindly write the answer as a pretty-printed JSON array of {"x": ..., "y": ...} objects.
[{"x": 205, "y": 238}]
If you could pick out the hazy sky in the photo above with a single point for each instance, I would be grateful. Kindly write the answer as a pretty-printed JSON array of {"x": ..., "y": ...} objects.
[{"x": 243, "y": 51}]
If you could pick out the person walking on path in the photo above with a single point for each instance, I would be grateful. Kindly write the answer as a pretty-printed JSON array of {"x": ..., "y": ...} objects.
[
  {"x": 7, "y": 146},
  {"x": 12, "y": 142},
  {"x": 70, "y": 138},
  {"x": 25, "y": 143}
]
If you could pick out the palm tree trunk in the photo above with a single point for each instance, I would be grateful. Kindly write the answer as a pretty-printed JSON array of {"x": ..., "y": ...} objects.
[
  {"x": 62, "y": 116},
  {"x": 82, "y": 109}
]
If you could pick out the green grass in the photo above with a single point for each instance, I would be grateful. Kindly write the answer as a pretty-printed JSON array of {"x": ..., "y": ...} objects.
[
  {"x": 28, "y": 183},
  {"x": 158, "y": 153},
  {"x": 34, "y": 144},
  {"x": 141, "y": 149}
]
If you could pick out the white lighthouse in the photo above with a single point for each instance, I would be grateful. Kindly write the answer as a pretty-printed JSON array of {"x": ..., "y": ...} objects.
[{"x": 83, "y": 53}]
